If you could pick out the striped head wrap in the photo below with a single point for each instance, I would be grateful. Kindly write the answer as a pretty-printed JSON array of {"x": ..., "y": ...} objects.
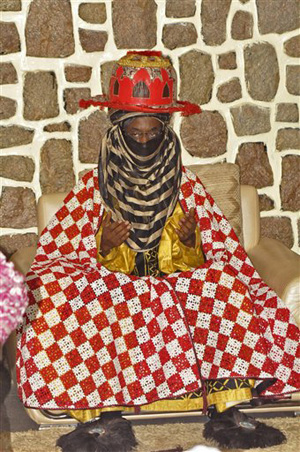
[{"x": 140, "y": 189}]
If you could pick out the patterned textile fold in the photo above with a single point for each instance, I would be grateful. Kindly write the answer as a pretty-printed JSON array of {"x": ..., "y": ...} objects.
[{"x": 94, "y": 338}]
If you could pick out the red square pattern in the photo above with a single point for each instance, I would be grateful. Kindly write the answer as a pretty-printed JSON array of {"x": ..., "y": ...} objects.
[
  {"x": 88, "y": 294},
  {"x": 73, "y": 358},
  {"x": 109, "y": 370},
  {"x": 124, "y": 360},
  {"x": 92, "y": 364},
  {"x": 88, "y": 385},
  {"x": 71, "y": 292},
  {"x": 54, "y": 352},
  {"x": 129, "y": 291},
  {"x": 82, "y": 315},
  {"x": 141, "y": 369},
  {"x": 52, "y": 288},
  {"x": 59, "y": 331},
  {"x": 78, "y": 337},
  {"x": 72, "y": 231},
  {"x": 46, "y": 305},
  {"x": 31, "y": 367},
  {"x": 69, "y": 379},
  {"x": 49, "y": 374},
  {"x": 43, "y": 395}
]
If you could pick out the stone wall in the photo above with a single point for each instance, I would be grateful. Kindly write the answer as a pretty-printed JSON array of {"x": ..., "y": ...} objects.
[{"x": 238, "y": 58}]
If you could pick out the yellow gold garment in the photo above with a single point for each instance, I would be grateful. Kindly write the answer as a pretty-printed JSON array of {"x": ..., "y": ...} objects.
[
  {"x": 120, "y": 258},
  {"x": 173, "y": 255}
]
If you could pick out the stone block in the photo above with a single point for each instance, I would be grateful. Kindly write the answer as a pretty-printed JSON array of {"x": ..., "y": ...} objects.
[
  {"x": 64, "y": 126},
  {"x": 72, "y": 97},
  {"x": 278, "y": 228},
  {"x": 134, "y": 23},
  {"x": 255, "y": 168},
  {"x": 91, "y": 132},
  {"x": 49, "y": 29},
  {"x": 40, "y": 95},
  {"x": 288, "y": 139},
  {"x": 17, "y": 167},
  {"x": 56, "y": 171},
  {"x": 93, "y": 13},
  {"x": 265, "y": 203},
  {"x": 10, "y": 40},
  {"x": 242, "y": 26},
  {"x": 292, "y": 47},
  {"x": 287, "y": 112},
  {"x": 249, "y": 119},
  {"x": 179, "y": 8},
  {"x": 230, "y": 91},
  {"x": 289, "y": 188},
  {"x": 277, "y": 18},
  {"x": 8, "y": 107},
  {"x": 179, "y": 35},
  {"x": 213, "y": 19},
  {"x": 93, "y": 41},
  {"x": 106, "y": 71},
  {"x": 9, "y": 244},
  {"x": 8, "y": 74},
  {"x": 10, "y": 5},
  {"x": 227, "y": 60},
  {"x": 17, "y": 208},
  {"x": 197, "y": 77},
  {"x": 12, "y": 136},
  {"x": 204, "y": 135},
  {"x": 293, "y": 79},
  {"x": 261, "y": 71},
  {"x": 77, "y": 74}
]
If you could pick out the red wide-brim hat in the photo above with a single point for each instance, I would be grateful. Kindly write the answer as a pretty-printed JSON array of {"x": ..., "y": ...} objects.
[{"x": 143, "y": 82}]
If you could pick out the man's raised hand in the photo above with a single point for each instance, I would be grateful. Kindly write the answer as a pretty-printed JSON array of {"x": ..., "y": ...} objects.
[
  {"x": 187, "y": 226},
  {"x": 114, "y": 233}
]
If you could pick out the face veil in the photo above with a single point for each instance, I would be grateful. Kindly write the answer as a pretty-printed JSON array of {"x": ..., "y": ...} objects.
[{"x": 140, "y": 187}]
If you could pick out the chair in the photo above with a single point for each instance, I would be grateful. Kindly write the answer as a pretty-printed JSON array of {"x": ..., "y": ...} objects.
[{"x": 278, "y": 266}]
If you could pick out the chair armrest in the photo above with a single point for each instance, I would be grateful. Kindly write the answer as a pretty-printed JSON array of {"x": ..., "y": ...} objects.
[
  {"x": 279, "y": 267},
  {"x": 23, "y": 258}
]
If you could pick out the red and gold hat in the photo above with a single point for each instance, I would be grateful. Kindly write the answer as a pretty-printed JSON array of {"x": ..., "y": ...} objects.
[{"x": 143, "y": 81}]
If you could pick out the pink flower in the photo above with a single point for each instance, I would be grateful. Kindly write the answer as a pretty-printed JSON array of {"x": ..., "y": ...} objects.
[{"x": 13, "y": 298}]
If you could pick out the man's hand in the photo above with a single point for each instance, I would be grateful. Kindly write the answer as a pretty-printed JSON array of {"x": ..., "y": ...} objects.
[
  {"x": 187, "y": 225},
  {"x": 113, "y": 234}
]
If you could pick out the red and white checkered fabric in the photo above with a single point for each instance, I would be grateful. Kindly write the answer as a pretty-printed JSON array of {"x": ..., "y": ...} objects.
[{"x": 95, "y": 338}]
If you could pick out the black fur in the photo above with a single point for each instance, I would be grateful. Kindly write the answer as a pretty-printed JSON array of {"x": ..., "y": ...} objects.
[
  {"x": 114, "y": 435},
  {"x": 235, "y": 430}
]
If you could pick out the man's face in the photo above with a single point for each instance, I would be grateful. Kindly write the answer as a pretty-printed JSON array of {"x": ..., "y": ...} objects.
[{"x": 144, "y": 129}]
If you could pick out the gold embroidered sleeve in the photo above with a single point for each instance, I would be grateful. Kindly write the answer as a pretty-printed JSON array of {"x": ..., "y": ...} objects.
[{"x": 173, "y": 255}]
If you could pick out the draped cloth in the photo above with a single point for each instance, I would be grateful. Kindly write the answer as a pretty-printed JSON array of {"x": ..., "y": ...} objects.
[
  {"x": 95, "y": 338},
  {"x": 140, "y": 189}
]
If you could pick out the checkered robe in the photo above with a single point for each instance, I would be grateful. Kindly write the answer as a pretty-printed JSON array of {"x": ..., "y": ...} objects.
[{"x": 95, "y": 338}]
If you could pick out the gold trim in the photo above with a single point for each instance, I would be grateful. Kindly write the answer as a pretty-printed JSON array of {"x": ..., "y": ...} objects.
[
  {"x": 219, "y": 399},
  {"x": 139, "y": 61},
  {"x": 186, "y": 403}
]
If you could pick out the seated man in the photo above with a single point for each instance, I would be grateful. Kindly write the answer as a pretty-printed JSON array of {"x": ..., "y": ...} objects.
[{"x": 141, "y": 297}]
